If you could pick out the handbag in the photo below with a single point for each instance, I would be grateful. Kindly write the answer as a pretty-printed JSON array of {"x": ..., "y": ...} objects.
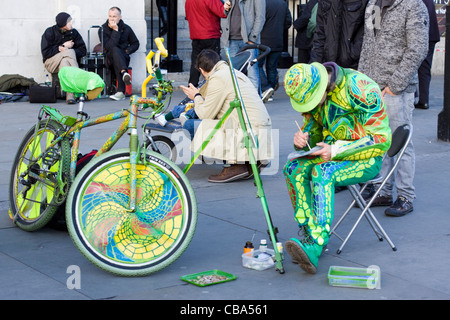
[{"x": 42, "y": 94}]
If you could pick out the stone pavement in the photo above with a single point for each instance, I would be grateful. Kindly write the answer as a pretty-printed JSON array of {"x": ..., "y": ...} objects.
[{"x": 35, "y": 265}]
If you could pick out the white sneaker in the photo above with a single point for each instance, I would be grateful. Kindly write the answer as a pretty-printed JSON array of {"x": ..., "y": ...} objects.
[
  {"x": 267, "y": 94},
  {"x": 126, "y": 78},
  {"x": 161, "y": 119},
  {"x": 183, "y": 118},
  {"x": 118, "y": 96}
]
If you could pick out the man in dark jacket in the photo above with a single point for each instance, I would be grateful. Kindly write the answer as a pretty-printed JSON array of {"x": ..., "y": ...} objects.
[
  {"x": 339, "y": 32},
  {"x": 278, "y": 20},
  {"x": 62, "y": 46},
  {"x": 119, "y": 42},
  {"x": 425, "y": 67},
  {"x": 303, "y": 39}
]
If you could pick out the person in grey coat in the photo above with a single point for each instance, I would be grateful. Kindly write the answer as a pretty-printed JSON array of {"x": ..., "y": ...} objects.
[
  {"x": 395, "y": 44},
  {"x": 243, "y": 26}
]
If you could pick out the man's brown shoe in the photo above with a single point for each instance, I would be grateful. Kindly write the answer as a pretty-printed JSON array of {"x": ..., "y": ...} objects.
[{"x": 232, "y": 173}]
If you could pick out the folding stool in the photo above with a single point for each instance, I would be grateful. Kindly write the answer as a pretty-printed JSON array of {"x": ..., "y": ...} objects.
[{"x": 400, "y": 140}]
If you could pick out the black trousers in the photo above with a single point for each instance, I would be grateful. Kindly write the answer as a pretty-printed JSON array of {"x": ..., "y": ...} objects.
[
  {"x": 118, "y": 60},
  {"x": 425, "y": 75},
  {"x": 197, "y": 47}
]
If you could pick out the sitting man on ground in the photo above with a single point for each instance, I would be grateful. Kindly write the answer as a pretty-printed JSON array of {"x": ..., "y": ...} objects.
[
  {"x": 62, "y": 46},
  {"x": 119, "y": 42},
  {"x": 211, "y": 102}
]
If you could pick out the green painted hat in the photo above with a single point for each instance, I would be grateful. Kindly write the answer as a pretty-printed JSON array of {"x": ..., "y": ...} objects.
[{"x": 305, "y": 84}]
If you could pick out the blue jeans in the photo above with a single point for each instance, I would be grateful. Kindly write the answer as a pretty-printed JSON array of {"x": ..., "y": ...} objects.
[
  {"x": 252, "y": 72},
  {"x": 191, "y": 126},
  {"x": 269, "y": 77},
  {"x": 179, "y": 109}
]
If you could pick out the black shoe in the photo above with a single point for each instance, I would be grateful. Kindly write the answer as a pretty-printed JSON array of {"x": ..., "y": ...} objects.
[
  {"x": 400, "y": 207},
  {"x": 421, "y": 106},
  {"x": 382, "y": 201},
  {"x": 368, "y": 192},
  {"x": 379, "y": 201}
]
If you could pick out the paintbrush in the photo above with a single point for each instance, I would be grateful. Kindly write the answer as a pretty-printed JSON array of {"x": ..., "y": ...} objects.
[{"x": 301, "y": 131}]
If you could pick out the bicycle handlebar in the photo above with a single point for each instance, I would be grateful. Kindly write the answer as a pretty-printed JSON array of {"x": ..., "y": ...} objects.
[
  {"x": 153, "y": 68},
  {"x": 265, "y": 51},
  {"x": 160, "y": 45}
]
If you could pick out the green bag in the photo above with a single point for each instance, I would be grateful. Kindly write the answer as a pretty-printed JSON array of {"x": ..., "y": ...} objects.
[{"x": 76, "y": 80}]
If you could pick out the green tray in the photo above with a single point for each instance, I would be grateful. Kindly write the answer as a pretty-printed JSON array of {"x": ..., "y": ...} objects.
[{"x": 196, "y": 278}]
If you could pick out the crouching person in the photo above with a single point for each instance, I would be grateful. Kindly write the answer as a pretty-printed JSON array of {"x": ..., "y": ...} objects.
[{"x": 211, "y": 102}]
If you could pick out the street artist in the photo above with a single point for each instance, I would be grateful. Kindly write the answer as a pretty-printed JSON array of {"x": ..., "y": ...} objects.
[{"x": 344, "y": 114}]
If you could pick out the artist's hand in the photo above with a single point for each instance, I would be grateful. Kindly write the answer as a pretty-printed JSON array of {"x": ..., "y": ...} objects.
[
  {"x": 190, "y": 91},
  {"x": 301, "y": 139},
  {"x": 325, "y": 152}
]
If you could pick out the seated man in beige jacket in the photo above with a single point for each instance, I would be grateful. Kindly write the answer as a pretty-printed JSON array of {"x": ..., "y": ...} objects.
[{"x": 211, "y": 102}]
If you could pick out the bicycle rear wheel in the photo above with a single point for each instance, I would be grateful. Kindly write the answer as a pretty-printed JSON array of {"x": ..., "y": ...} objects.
[
  {"x": 34, "y": 201},
  {"x": 131, "y": 243}
]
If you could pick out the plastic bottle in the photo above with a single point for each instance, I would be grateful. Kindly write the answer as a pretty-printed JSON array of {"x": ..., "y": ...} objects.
[
  {"x": 248, "y": 247},
  {"x": 280, "y": 247},
  {"x": 48, "y": 83},
  {"x": 263, "y": 245}
]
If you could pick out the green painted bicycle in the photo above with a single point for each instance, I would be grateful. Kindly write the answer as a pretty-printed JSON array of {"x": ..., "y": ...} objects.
[{"x": 129, "y": 211}]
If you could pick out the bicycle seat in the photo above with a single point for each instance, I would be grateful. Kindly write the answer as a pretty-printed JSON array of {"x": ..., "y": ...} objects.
[
  {"x": 171, "y": 126},
  {"x": 78, "y": 81}
]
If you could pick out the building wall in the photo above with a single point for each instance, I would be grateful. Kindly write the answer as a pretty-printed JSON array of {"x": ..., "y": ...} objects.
[{"x": 22, "y": 24}]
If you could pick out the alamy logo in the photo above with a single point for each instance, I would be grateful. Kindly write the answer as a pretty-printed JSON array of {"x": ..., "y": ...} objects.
[
  {"x": 74, "y": 280},
  {"x": 373, "y": 17}
]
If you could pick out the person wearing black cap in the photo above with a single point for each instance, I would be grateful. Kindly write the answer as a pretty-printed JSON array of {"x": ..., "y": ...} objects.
[
  {"x": 62, "y": 46},
  {"x": 119, "y": 42}
]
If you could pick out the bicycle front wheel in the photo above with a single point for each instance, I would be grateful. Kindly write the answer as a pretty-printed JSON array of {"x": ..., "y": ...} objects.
[
  {"x": 34, "y": 193},
  {"x": 124, "y": 242}
]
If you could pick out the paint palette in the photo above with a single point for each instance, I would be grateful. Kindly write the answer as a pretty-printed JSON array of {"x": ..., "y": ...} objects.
[{"x": 207, "y": 278}]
